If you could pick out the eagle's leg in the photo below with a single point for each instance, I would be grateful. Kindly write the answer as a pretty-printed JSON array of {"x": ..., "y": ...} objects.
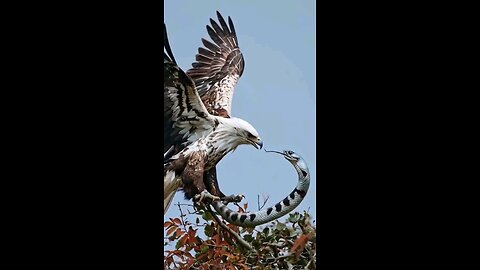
[
  {"x": 211, "y": 183},
  {"x": 193, "y": 183},
  {"x": 205, "y": 195},
  {"x": 192, "y": 176}
]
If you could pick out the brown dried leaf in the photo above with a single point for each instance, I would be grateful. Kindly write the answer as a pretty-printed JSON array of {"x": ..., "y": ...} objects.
[
  {"x": 300, "y": 244},
  {"x": 187, "y": 254},
  {"x": 190, "y": 263},
  {"x": 202, "y": 256},
  {"x": 183, "y": 240},
  {"x": 217, "y": 239},
  {"x": 169, "y": 260},
  {"x": 171, "y": 230}
]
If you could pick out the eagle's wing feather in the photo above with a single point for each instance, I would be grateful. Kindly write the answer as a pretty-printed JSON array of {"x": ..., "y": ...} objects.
[
  {"x": 167, "y": 53},
  {"x": 186, "y": 118},
  {"x": 218, "y": 67}
]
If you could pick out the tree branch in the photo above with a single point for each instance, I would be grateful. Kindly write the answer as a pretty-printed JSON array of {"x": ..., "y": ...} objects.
[{"x": 234, "y": 234}]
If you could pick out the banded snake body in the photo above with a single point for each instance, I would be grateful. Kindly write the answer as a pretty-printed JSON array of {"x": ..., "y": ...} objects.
[{"x": 278, "y": 210}]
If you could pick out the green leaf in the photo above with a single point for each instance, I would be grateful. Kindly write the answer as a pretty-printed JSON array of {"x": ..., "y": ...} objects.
[
  {"x": 256, "y": 244},
  {"x": 204, "y": 249},
  {"x": 179, "y": 244},
  {"x": 281, "y": 226},
  {"x": 207, "y": 216},
  {"x": 209, "y": 230},
  {"x": 248, "y": 238},
  {"x": 294, "y": 217}
]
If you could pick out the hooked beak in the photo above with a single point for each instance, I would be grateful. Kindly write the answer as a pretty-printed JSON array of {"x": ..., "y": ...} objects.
[
  {"x": 256, "y": 143},
  {"x": 260, "y": 144}
]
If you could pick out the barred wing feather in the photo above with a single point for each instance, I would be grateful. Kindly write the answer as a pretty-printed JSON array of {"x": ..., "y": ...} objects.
[{"x": 218, "y": 67}]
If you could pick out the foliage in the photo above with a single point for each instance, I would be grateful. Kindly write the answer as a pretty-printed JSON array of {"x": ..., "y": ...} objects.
[{"x": 289, "y": 245}]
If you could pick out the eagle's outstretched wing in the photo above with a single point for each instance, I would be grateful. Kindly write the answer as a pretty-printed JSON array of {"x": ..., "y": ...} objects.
[
  {"x": 218, "y": 67},
  {"x": 185, "y": 117},
  {"x": 167, "y": 51}
]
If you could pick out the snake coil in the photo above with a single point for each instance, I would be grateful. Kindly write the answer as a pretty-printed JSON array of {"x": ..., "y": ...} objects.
[{"x": 278, "y": 210}]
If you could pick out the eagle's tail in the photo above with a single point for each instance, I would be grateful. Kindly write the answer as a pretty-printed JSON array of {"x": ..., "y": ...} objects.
[{"x": 170, "y": 186}]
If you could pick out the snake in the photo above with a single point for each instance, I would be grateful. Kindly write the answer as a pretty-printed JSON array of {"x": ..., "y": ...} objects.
[{"x": 278, "y": 210}]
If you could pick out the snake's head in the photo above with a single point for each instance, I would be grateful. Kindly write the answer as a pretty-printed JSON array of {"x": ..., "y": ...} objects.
[
  {"x": 291, "y": 156},
  {"x": 287, "y": 154},
  {"x": 295, "y": 159}
]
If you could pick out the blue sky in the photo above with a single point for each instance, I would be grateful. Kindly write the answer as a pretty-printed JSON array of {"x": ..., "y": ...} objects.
[{"x": 276, "y": 93}]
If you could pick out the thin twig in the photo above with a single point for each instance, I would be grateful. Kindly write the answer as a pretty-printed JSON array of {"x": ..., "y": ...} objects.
[
  {"x": 264, "y": 201},
  {"x": 258, "y": 201},
  {"x": 181, "y": 216},
  {"x": 196, "y": 212},
  {"x": 185, "y": 204}
]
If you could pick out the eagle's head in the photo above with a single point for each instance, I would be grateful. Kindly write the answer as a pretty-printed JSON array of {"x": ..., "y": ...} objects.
[{"x": 241, "y": 132}]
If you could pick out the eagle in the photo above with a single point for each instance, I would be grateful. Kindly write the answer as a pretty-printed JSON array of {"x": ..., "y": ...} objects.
[{"x": 198, "y": 127}]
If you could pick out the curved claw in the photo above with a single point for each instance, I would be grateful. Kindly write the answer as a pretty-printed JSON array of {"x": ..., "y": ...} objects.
[
  {"x": 199, "y": 205},
  {"x": 205, "y": 195},
  {"x": 233, "y": 198}
]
